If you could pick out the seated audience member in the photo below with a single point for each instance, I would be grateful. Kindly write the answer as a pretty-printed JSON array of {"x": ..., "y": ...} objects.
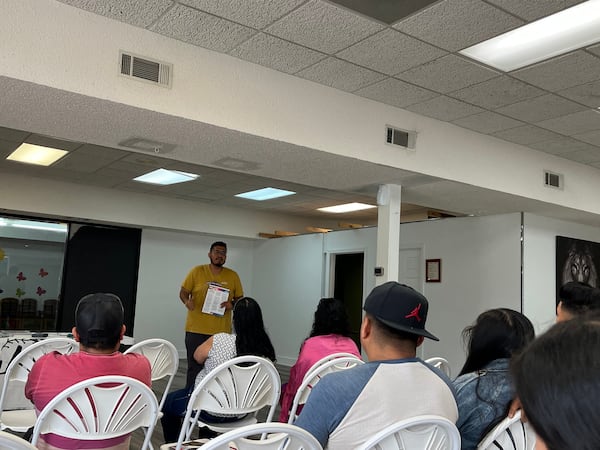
[
  {"x": 483, "y": 387},
  {"x": 557, "y": 378},
  {"x": 99, "y": 329},
  {"x": 347, "y": 408},
  {"x": 576, "y": 299},
  {"x": 329, "y": 335},
  {"x": 249, "y": 338}
]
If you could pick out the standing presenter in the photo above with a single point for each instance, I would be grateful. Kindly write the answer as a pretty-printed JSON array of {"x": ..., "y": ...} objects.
[{"x": 208, "y": 292}]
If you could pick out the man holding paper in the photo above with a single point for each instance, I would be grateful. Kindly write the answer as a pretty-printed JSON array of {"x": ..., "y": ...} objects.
[{"x": 208, "y": 292}]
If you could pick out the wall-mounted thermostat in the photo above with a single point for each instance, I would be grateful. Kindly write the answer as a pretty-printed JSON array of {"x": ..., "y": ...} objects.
[{"x": 378, "y": 271}]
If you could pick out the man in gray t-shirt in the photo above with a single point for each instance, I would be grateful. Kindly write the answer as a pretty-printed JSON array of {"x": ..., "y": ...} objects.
[{"x": 346, "y": 408}]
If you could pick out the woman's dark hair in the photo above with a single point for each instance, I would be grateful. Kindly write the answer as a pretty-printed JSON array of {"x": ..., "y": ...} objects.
[
  {"x": 497, "y": 333},
  {"x": 330, "y": 318},
  {"x": 251, "y": 337},
  {"x": 557, "y": 379}
]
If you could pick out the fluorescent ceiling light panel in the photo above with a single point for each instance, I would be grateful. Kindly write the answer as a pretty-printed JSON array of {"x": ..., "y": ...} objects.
[
  {"x": 165, "y": 177},
  {"x": 36, "y": 154},
  {"x": 267, "y": 193},
  {"x": 347, "y": 207},
  {"x": 567, "y": 30},
  {"x": 56, "y": 227}
]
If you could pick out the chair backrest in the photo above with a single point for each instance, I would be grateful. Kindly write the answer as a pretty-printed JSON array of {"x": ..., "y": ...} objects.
[
  {"x": 164, "y": 361},
  {"x": 314, "y": 376},
  {"x": 28, "y": 307},
  {"x": 242, "y": 385},
  {"x": 510, "y": 434},
  {"x": 427, "y": 432},
  {"x": 19, "y": 368},
  {"x": 99, "y": 408},
  {"x": 440, "y": 363},
  {"x": 10, "y": 441},
  {"x": 282, "y": 436},
  {"x": 326, "y": 359}
]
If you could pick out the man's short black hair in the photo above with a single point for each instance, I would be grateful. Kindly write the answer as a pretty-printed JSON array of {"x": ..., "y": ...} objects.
[{"x": 218, "y": 244}]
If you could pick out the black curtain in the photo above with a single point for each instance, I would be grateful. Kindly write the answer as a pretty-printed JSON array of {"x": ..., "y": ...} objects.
[{"x": 100, "y": 259}]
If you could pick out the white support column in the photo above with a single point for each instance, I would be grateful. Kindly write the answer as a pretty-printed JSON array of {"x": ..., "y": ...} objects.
[{"x": 388, "y": 232}]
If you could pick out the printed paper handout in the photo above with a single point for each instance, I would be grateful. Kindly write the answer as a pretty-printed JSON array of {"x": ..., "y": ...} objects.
[{"x": 215, "y": 295}]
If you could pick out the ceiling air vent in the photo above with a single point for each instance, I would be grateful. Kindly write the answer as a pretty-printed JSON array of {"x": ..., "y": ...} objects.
[
  {"x": 145, "y": 69},
  {"x": 401, "y": 138},
  {"x": 553, "y": 180}
]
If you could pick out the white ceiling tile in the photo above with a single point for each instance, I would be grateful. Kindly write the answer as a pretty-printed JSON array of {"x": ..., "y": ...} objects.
[
  {"x": 457, "y": 24},
  {"x": 487, "y": 122},
  {"x": 592, "y": 137},
  {"x": 562, "y": 72},
  {"x": 575, "y": 123},
  {"x": 7, "y": 147},
  {"x": 11, "y": 135},
  {"x": 198, "y": 28},
  {"x": 497, "y": 92},
  {"x": 252, "y": 13},
  {"x": 324, "y": 27},
  {"x": 80, "y": 162},
  {"x": 586, "y": 94},
  {"x": 381, "y": 52},
  {"x": 448, "y": 73},
  {"x": 270, "y": 51},
  {"x": 541, "y": 108},
  {"x": 584, "y": 156},
  {"x": 561, "y": 145},
  {"x": 396, "y": 93},
  {"x": 533, "y": 9},
  {"x": 140, "y": 13},
  {"x": 526, "y": 135},
  {"x": 340, "y": 75},
  {"x": 595, "y": 49},
  {"x": 444, "y": 108}
]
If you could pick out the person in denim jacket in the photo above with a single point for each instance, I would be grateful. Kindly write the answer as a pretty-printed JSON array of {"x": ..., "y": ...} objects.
[{"x": 483, "y": 388}]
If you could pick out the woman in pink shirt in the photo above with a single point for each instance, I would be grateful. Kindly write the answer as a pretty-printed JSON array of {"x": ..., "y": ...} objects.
[{"x": 329, "y": 335}]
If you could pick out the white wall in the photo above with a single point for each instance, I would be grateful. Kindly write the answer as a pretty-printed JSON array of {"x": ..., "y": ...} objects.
[
  {"x": 166, "y": 257},
  {"x": 480, "y": 270},
  {"x": 539, "y": 264},
  {"x": 288, "y": 283}
]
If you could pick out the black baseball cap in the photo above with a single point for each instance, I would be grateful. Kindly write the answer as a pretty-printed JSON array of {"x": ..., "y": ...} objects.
[
  {"x": 400, "y": 307},
  {"x": 99, "y": 318}
]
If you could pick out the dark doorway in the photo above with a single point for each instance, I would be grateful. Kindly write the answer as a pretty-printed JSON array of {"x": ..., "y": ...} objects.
[
  {"x": 100, "y": 259},
  {"x": 348, "y": 287}
]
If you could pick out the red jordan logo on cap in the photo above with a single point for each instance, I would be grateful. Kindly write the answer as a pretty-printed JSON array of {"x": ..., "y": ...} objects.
[{"x": 414, "y": 313}]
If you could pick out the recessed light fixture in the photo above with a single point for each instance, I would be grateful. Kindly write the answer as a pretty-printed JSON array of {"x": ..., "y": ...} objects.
[
  {"x": 36, "y": 154},
  {"x": 347, "y": 207},
  {"x": 267, "y": 193},
  {"x": 165, "y": 177},
  {"x": 567, "y": 30}
]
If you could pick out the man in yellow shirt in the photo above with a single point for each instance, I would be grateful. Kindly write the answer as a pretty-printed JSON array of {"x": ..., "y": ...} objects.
[{"x": 200, "y": 284}]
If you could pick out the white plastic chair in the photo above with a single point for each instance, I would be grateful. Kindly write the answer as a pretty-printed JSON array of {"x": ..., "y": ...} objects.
[
  {"x": 326, "y": 359},
  {"x": 426, "y": 432},
  {"x": 11, "y": 442},
  {"x": 440, "y": 363},
  {"x": 164, "y": 361},
  {"x": 282, "y": 437},
  {"x": 240, "y": 386},
  {"x": 99, "y": 408},
  {"x": 315, "y": 375},
  {"x": 20, "y": 420},
  {"x": 510, "y": 434}
]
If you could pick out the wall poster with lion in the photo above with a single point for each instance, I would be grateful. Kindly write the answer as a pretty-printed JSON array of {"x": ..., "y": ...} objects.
[{"x": 576, "y": 260}]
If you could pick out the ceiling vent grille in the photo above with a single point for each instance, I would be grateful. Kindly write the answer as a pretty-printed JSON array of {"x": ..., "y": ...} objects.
[
  {"x": 145, "y": 69},
  {"x": 401, "y": 138},
  {"x": 553, "y": 180}
]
